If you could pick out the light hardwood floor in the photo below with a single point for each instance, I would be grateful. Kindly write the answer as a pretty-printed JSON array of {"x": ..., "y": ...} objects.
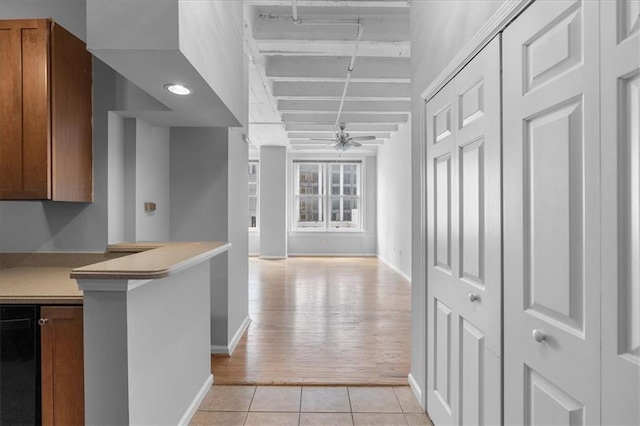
[{"x": 322, "y": 321}]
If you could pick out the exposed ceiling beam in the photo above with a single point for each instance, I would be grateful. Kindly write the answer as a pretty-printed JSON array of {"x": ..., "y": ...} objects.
[
  {"x": 372, "y": 49},
  {"x": 312, "y": 135},
  {"x": 368, "y": 107},
  {"x": 328, "y": 128},
  {"x": 372, "y": 91},
  {"x": 347, "y": 118},
  {"x": 331, "y": 3},
  {"x": 306, "y": 142},
  {"x": 336, "y": 67},
  {"x": 387, "y": 27}
]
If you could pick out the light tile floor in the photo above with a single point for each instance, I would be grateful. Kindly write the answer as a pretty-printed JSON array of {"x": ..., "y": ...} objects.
[{"x": 310, "y": 405}]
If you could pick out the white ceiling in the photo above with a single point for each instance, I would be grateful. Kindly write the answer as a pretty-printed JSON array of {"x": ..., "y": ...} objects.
[{"x": 297, "y": 73}]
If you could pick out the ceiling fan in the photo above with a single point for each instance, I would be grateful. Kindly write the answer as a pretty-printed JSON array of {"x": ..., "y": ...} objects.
[{"x": 343, "y": 141}]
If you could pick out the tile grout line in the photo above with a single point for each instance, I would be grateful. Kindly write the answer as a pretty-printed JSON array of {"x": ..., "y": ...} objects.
[
  {"x": 300, "y": 405},
  {"x": 353, "y": 420},
  {"x": 253, "y": 395}
]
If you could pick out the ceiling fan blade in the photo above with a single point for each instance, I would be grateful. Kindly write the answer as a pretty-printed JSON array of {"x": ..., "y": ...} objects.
[
  {"x": 354, "y": 143},
  {"x": 362, "y": 138},
  {"x": 325, "y": 139}
]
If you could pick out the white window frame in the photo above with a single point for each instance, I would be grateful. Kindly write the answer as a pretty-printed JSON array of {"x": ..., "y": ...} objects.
[
  {"x": 325, "y": 197},
  {"x": 257, "y": 196}
]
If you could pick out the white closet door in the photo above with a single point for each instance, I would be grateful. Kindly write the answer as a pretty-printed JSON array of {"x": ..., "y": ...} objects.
[
  {"x": 552, "y": 215},
  {"x": 620, "y": 85},
  {"x": 464, "y": 234}
]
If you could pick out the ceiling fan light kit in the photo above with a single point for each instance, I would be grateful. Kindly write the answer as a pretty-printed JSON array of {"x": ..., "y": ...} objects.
[{"x": 343, "y": 141}]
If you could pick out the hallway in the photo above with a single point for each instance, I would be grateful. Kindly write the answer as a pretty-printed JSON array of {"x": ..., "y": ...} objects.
[{"x": 322, "y": 321}]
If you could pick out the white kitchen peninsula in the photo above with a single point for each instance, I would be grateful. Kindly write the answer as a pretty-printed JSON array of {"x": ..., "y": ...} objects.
[{"x": 147, "y": 332}]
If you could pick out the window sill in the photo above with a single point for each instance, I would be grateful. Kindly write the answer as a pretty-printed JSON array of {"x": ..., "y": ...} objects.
[{"x": 326, "y": 231}]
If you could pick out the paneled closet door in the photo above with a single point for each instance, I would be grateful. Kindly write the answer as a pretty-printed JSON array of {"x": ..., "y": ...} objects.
[
  {"x": 464, "y": 236},
  {"x": 620, "y": 121},
  {"x": 552, "y": 215}
]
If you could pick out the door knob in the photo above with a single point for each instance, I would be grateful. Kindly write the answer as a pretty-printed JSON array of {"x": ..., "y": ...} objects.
[
  {"x": 43, "y": 321},
  {"x": 539, "y": 335},
  {"x": 473, "y": 297}
]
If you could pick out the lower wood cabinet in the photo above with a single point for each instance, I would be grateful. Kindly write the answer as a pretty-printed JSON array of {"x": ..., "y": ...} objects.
[{"x": 62, "y": 365}]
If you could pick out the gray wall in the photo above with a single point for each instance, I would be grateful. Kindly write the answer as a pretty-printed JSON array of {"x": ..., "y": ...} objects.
[
  {"x": 116, "y": 178},
  {"x": 208, "y": 187},
  {"x": 439, "y": 30},
  {"x": 199, "y": 194},
  {"x": 68, "y": 227},
  {"x": 273, "y": 201},
  {"x": 394, "y": 200},
  {"x": 71, "y": 14},
  {"x": 77, "y": 227},
  {"x": 238, "y": 296},
  {"x": 152, "y": 182}
]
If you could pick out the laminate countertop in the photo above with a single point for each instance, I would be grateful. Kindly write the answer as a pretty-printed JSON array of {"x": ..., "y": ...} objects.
[
  {"x": 43, "y": 278},
  {"x": 50, "y": 278},
  {"x": 150, "y": 260}
]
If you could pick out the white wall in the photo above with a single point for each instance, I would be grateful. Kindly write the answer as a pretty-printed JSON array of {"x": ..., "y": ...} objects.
[
  {"x": 273, "y": 202},
  {"x": 152, "y": 182},
  {"x": 394, "y": 201},
  {"x": 338, "y": 243},
  {"x": 439, "y": 30},
  {"x": 214, "y": 29}
]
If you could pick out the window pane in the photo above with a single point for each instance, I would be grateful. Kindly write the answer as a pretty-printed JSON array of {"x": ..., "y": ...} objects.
[
  {"x": 335, "y": 179},
  {"x": 350, "y": 207},
  {"x": 310, "y": 209},
  {"x": 335, "y": 209},
  {"x": 350, "y": 180},
  {"x": 309, "y": 179},
  {"x": 253, "y": 194},
  {"x": 344, "y": 212}
]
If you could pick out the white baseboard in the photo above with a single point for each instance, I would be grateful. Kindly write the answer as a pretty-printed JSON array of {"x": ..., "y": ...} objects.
[
  {"x": 273, "y": 257},
  {"x": 417, "y": 391},
  {"x": 254, "y": 254},
  {"x": 193, "y": 407},
  {"x": 228, "y": 349},
  {"x": 332, "y": 255},
  {"x": 236, "y": 337},
  {"x": 406, "y": 277}
]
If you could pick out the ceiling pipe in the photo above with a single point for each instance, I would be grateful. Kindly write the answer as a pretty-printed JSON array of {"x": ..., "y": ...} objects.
[
  {"x": 294, "y": 12},
  {"x": 359, "y": 22},
  {"x": 349, "y": 71}
]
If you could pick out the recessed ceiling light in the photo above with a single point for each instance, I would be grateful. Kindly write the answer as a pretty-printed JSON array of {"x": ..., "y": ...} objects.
[{"x": 178, "y": 89}]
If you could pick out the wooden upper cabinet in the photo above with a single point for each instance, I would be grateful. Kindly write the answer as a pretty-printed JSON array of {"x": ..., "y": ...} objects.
[{"x": 46, "y": 149}]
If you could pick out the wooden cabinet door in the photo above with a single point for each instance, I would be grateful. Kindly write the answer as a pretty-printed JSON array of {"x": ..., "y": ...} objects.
[
  {"x": 62, "y": 358},
  {"x": 620, "y": 121},
  {"x": 25, "y": 166},
  {"x": 464, "y": 236},
  {"x": 551, "y": 89}
]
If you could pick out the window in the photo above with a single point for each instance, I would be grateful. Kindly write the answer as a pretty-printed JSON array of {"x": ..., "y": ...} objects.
[
  {"x": 253, "y": 194},
  {"x": 327, "y": 190}
]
